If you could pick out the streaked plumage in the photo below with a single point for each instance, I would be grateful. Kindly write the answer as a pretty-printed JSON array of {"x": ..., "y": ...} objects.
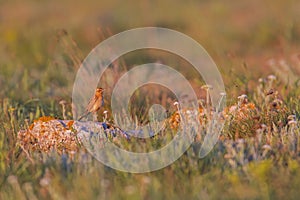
[{"x": 94, "y": 104}]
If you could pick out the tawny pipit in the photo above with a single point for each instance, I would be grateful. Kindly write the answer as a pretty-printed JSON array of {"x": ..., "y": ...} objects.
[{"x": 95, "y": 104}]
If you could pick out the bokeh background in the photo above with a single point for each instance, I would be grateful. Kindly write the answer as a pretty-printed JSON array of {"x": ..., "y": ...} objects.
[{"x": 44, "y": 42}]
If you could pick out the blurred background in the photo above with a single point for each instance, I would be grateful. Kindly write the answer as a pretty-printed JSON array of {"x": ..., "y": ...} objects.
[
  {"x": 44, "y": 42},
  {"x": 42, "y": 45}
]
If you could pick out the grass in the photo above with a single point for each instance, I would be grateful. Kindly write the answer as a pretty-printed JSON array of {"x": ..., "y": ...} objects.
[{"x": 254, "y": 159}]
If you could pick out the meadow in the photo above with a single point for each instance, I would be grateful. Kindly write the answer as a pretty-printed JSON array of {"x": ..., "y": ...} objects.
[{"x": 256, "y": 46}]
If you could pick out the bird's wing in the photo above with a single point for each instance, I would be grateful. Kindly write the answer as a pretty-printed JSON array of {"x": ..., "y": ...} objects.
[
  {"x": 91, "y": 104},
  {"x": 89, "y": 108}
]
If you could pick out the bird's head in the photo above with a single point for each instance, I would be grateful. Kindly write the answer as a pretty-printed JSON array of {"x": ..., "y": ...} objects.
[{"x": 99, "y": 91}]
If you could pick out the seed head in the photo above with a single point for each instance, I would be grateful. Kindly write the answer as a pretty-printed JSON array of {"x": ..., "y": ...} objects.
[
  {"x": 223, "y": 94},
  {"x": 206, "y": 87}
]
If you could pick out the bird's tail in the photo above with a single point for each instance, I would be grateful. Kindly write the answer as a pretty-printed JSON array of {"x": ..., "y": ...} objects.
[{"x": 82, "y": 116}]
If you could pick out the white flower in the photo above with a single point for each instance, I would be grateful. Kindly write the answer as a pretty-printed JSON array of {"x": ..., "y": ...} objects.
[
  {"x": 292, "y": 122},
  {"x": 206, "y": 87},
  {"x": 266, "y": 146},
  {"x": 272, "y": 77},
  {"x": 261, "y": 80},
  {"x": 242, "y": 97},
  {"x": 263, "y": 126}
]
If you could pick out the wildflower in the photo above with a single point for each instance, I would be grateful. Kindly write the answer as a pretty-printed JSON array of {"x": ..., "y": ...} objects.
[
  {"x": 240, "y": 141},
  {"x": 243, "y": 96},
  {"x": 272, "y": 77},
  {"x": 105, "y": 115},
  {"x": 223, "y": 94},
  {"x": 291, "y": 117},
  {"x": 264, "y": 127},
  {"x": 206, "y": 87},
  {"x": 292, "y": 122},
  {"x": 251, "y": 106},
  {"x": 176, "y": 104},
  {"x": 261, "y": 80},
  {"x": 243, "y": 99},
  {"x": 267, "y": 147}
]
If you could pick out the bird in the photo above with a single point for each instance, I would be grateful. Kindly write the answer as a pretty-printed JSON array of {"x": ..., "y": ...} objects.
[{"x": 94, "y": 104}]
